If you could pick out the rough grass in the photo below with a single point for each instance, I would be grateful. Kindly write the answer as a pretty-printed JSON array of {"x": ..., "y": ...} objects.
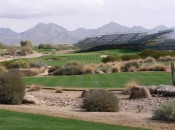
[
  {"x": 113, "y": 80},
  {"x": 21, "y": 121}
]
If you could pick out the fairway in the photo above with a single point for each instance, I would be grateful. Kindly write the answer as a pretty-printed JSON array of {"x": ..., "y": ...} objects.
[
  {"x": 114, "y": 80},
  {"x": 85, "y": 58},
  {"x": 21, "y": 121}
]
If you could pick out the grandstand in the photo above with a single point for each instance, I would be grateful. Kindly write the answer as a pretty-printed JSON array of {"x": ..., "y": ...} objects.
[{"x": 163, "y": 40}]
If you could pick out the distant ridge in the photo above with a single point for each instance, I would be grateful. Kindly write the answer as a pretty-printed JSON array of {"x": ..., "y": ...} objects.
[{"x": 55, "y": 34}]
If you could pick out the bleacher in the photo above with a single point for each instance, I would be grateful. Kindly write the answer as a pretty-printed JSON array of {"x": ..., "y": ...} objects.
[{"x": 127, "y": 39}]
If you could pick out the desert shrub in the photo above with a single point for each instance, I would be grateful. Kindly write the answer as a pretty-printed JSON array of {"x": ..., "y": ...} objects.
[
  {"x": 129, "y": 64},
  {"x": 149, "y": 59},
  {"x": 28, "y": 72},
  {"x": 87, "y": 69},
  {"x": 19, "y": 64},
  {"x": 116, "y": 68},
  {"x": 156, "y": 54},
  {"x": 111, "y": 58},
  {"x": 148, "y": 53},
  {"x": 129, "y": 57},
  {"x": 11, "y": 88},
  {"x": 144, "y": 68},
  {"x": 38, "y": 64},
  {"x": 74, "y": 63},
  {"x": 157, "y": 67},
  {"x": 139, "y": 92},
  {"x": 132, "y": 69},
  {"x": 101, "y": 101},
  {"x": 34, "y": 87},
  {"x": 166, "y": 58},
  {"x": 68, "y": 70},
  {"x": 53, "y": 68},
  {"x": 133, "y": 83},
  {"x": 2, "y": 69},
  {"x": 6, "y": 64},
  {"x": 165, "y": 112}
]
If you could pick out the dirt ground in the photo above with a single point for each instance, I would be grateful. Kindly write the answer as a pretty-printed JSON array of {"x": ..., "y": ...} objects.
[
  {"x": 135, "y": 113},
  {"x": 7, "y": 58}
]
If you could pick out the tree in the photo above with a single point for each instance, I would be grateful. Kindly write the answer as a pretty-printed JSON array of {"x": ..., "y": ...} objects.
[
  {"x": 26, "y": 50},
  {"x": 26, "y": 43}
]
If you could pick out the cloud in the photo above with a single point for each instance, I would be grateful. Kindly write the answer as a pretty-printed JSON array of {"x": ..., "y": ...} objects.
[{"x": 43, "y": 8}]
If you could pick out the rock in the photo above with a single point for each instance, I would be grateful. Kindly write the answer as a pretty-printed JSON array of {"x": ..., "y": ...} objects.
[
  {"x": 139, "y": 92},
  {"x": 163, "y": 90},
  {"x": 29, "y": 99}
]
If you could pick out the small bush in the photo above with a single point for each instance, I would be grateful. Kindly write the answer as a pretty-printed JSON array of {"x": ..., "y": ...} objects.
[
  {"x": 129, "y": 64},
  {"x": 2, "y": 69},
  {"x": 34, "y": 87},
  {"x": 89, "y": 69},
  {"x": 139, "y": 92},
  {"x": 68, "y": 70},
  {"x": 53, "y": 68},
  {"x": 166, "y": 58},
  {"x": 115, "y": 68},
  {"x": 148, "y": 53},
  {"x": 165, "y": 112},
  {"x": 101, "y": 101},
  {"x": 19, "y": 64},
  {"x": 157, "y": 67},
  {"x": 111, "y": 58},
  {"x": 129, "y": 57},
  {"x": 28, "y": 72},
  {"x": 144, "y": 68},
  {"x": 149, "y": 59},
  {"x": 6, "y": 64},
  {"x": 38, "y": 64},
  {"x": 129, "y": 86},
  {"x": 74, "y": 63},
  {"x": 11, "y": 88},
  {"x": 132, "y": 69}
]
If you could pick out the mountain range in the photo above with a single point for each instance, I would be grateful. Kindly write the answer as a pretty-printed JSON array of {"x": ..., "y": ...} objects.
[{"x": 55, "y": 34}]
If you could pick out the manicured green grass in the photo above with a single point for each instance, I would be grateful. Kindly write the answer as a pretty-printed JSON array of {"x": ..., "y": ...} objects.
[
  {"x": 20, "y": 121},
  {"x": 117, "y": 80},
  {"x": 86, "y": 58},
  {"x": 42, "y": 50},
  {"x": 119, "y": 51}
]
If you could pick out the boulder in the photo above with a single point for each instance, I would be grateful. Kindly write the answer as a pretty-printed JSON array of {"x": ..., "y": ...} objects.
[
  {"x": 29, "y": 99},
  {"x": 163, "y": 90},
  {"x": 139, "y": 92}
]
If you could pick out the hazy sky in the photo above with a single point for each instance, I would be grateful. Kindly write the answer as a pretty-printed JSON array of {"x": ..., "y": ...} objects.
[{"x": 20, "y": 15}]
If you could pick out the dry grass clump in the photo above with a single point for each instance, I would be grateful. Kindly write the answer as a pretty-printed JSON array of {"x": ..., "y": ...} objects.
[
  {"x": 88, "y": 69},
  {"x": 132, "y": 69},
  {"x": 125, "y": 67},
  {"x": 2, "y": 69},
  {"x": 157, "y": 67},
  {"x": 59, "y": 90},
  {"x": 166, "y": 58},
  {"x": 144, "y": 68},
  {"x": 149, "y": 59},
  {"x": 133, "y": 83},
  {"x": 34, "y": 87},
  {"x": 116, "y": 68}
]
